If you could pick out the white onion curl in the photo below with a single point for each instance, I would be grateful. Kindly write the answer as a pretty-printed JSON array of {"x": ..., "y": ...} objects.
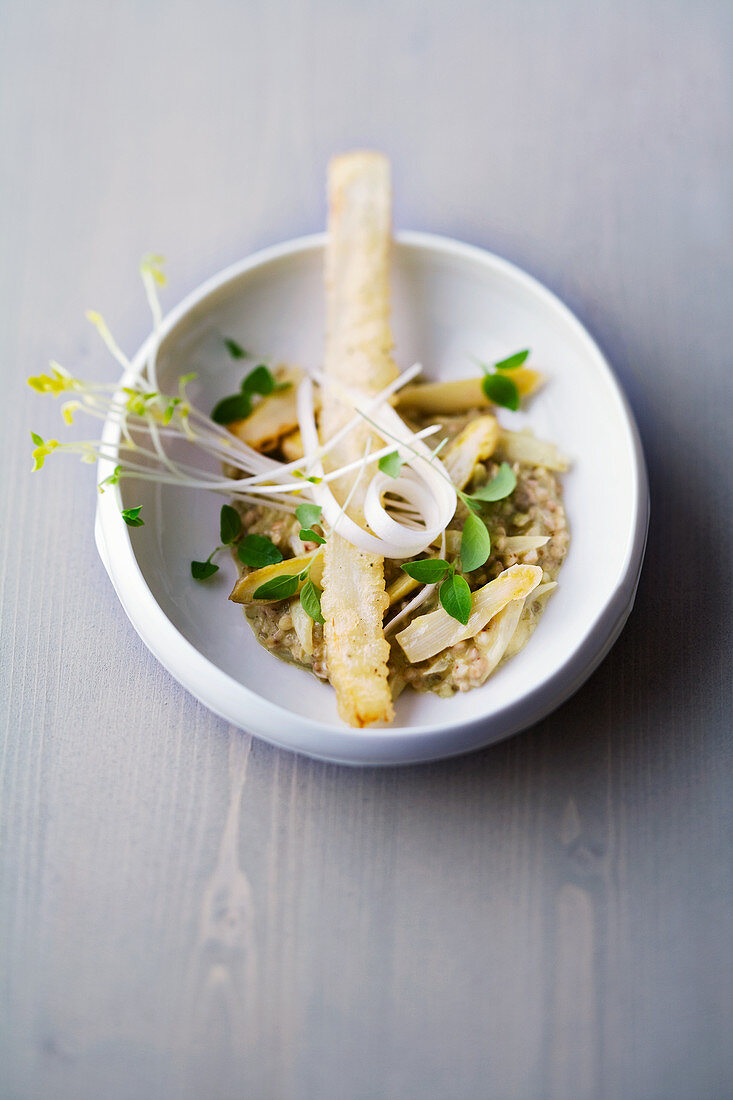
[{"x": 423, "y": 482}]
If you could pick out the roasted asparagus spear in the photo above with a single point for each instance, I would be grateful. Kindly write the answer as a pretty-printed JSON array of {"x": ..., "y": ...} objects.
[{"x": 357, "y": 357}]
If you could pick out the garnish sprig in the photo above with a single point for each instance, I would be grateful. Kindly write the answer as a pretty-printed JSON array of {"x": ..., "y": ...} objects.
[
  {"x": 260, "y": 381},
  {"x": 285, "y": 585},
  {"x": 453, "y": 593},
  {"x": 498, "y": 387},
  {"x": 230, "y": 528}
]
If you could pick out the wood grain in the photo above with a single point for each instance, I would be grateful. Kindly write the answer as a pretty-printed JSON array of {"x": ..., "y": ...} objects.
[{"x": 189, "y": 913}]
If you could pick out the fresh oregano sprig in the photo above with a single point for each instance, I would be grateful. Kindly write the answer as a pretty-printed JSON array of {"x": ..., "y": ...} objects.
[
  {"x": 502, "y": 485},
  {"x": 498, "y": 387},
  {"x": 454, "y": 593},
  {"x": 260, "y": 381},
  {"x": 286, "y": 585},
  {"x": 132, "y": 516},
  {"x": 230, "y": 528}
]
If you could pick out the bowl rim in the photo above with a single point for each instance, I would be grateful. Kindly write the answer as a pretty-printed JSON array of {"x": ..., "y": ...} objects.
[{"x": 231, "y": 699}]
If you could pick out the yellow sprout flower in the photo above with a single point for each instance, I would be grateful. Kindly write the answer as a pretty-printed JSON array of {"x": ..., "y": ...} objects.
[
  {"x": 68, "y": 409},
  {"x": 57, "y": 382},
  {"x": 103, "y": 329},
  {"x": 152, "y": 265}
]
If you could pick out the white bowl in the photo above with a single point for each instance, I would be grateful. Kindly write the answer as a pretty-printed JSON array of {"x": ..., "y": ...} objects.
[{"x": 450, "y": 301}]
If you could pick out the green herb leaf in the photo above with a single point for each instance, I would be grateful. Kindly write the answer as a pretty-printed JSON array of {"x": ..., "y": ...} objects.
[
  {"x": 512, "y": 361},
  {"x": 236, "y": 407},
  {"x": 258, "y": 551},
  {"x": 455, "y": 597},
  {"x": 308, "y": 514},
  {"x": 235, "y": 349},
  {"x": 201, "y": 570},
  {"x": 501, "y": 485},
  {"x": 310, "y": 599},
  {"x": 260, "y": 380},
  {"x": 113, "y": 479},
  {"x": 391, "y": 464},
  {"x": 170, "y": 409},
  {"x": 475, "y": 543},
  {"x": 501, "y": 391},
  {"x": 37, "y": 439},
  {"x": 132, "y": 517},
  {"x": 279, "y": 588},
  {"x": 426, "y": 570},
  {"x": 309, "y": 535},
  {"x": 230, "y": 524}
]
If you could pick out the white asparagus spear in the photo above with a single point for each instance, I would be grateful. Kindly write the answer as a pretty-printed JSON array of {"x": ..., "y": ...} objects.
[{"x": 358, "y": 355}]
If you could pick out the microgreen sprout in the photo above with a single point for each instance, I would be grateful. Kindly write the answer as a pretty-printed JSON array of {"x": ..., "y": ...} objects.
[
  {"x": 43, "y": 449},
  {"x": 313, "y": 480},
  {"x": 498, "y": 387},
  {"x": 113, "y": 479}
]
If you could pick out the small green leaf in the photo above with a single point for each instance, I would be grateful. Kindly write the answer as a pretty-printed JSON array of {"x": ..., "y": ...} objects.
[
  {"x": 513, "y": 361},
  {"x": 308, "y": 535},
  {"x": 308, "y": 514},
  {"x": 201, "y": 570},
  {"x": 501, "y": 485},
  {"x": 256, "y": 551},
  {"x": 37, "y": 439},
  {"x": 310, "y": 599},
  {"x": 170, "y": 409},
  {"x": 391, "y": 464},
  {"x": 475, "y": 543},
  {"x": 279, "y": 588},
  {"x": 234, "y": 349},
  {"x": 113, "y": 479},
  {"x": 236, "y": 407},
  {"x": 132, "y": 516},
  {"x": 501, "y": 391},
  {"x": 455, "y": 597},
  {"x": 230, "y": 524},
  {"x": 259, "y": 380},
  {"x": 426, "y": 570}
]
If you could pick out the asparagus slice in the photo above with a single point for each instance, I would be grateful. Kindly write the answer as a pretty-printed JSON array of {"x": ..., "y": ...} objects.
[{"x": 358, "y": 347}]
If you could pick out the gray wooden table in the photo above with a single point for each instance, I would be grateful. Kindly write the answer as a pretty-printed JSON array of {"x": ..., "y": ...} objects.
[{"x": 188, "y": 913}]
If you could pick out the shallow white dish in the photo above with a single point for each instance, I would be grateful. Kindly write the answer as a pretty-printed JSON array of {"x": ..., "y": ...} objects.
[{"x": 450, "y": 301}]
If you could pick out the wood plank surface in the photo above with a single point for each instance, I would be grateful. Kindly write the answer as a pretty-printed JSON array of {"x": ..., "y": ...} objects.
[{"x": 189, "y": 913}]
